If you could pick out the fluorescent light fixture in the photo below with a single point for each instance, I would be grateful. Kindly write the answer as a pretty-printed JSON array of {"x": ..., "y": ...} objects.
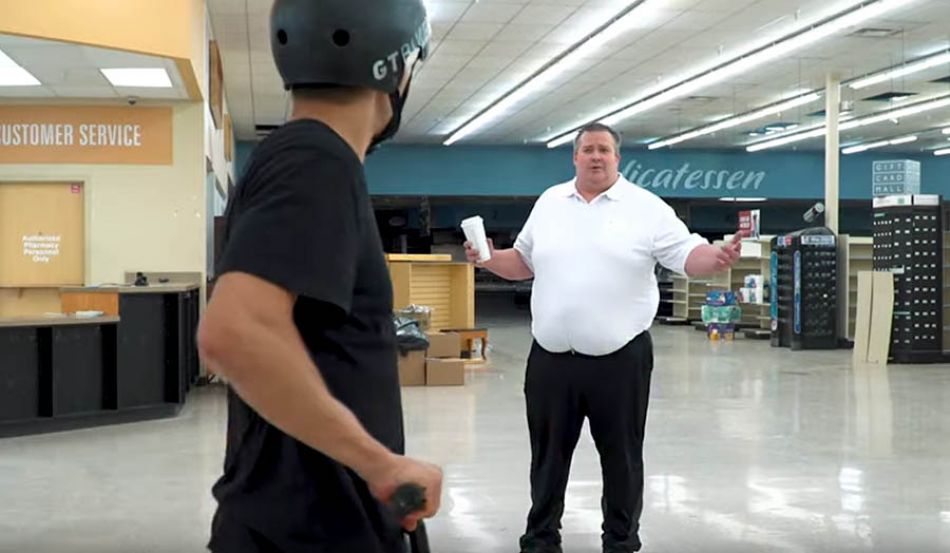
[
  {"x": 904, "y": 140},
  {"x": 879, "y": 144},
  {"x": 819, "y": 130},
  {"x": 562, "y": 140},
  {"x": 731, "y": 199},
  {"x": 915, "y": 66},
  {"x": 738, "y": 120},
  {"x": 856, "y": 14},
  {"x": 946, "y": 130},
  {"x": 864, "y": 147},
  {"x": 150, "y": 77},
  {"x": 11, "y": 74},
  {"x": 943, "y": 152},
  {"x": 572, "y": 56}
]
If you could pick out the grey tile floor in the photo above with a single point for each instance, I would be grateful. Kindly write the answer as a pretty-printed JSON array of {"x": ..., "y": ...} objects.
[{"x": 749, "y": 448}]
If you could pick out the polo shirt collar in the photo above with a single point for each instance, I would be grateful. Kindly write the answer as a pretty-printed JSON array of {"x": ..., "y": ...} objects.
[{"x": 616, "y": 192}]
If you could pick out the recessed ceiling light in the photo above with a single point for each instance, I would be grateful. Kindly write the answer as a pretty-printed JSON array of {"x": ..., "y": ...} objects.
[
  {"x": 11, "y": 74},
  {"x": 151, "y": 77}
]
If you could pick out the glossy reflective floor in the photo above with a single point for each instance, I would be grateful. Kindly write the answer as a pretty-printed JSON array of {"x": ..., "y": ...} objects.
[{"x": 749, "y": 449}]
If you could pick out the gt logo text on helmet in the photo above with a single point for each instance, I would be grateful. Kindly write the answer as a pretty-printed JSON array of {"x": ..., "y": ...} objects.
[{"x": 390, "y": 64}]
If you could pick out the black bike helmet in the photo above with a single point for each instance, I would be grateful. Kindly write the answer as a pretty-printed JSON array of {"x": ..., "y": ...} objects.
[{"x": 362, "y": 43}]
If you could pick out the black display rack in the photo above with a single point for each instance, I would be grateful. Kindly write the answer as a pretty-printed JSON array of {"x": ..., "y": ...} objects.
[
  {"x": 804, "y": 279},
  {"x": 908, "y": 242}
]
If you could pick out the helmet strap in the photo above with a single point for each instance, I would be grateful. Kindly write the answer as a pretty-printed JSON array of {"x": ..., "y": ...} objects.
[{"x": 397, "y": 103}]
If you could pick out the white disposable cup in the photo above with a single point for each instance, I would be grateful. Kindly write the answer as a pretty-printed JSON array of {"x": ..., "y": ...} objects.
[{"x": 474, "y": 229}]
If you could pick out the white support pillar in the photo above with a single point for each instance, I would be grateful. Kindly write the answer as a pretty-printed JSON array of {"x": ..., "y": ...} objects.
[{"x": 832, "y": 152}]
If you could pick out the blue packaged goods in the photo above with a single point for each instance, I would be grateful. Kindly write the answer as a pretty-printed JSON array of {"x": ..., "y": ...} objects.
[
  {"x": 721, "y": 313},
  {"x": 721, "y": 297}
]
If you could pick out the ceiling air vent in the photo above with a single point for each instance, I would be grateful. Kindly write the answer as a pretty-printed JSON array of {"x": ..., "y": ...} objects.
[
  {"x": 875, "y": 32},
  {"x": 889, "y": 97}
]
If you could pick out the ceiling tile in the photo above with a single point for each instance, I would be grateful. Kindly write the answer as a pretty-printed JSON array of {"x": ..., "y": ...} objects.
[{"x": 490, "y": 45}]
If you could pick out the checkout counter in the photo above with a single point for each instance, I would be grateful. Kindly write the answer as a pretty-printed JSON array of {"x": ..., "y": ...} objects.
[{"x": 135, "y": 361}]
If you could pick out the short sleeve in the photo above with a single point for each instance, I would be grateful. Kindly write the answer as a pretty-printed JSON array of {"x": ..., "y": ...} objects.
[
  {"x": 672, "y": 241},
  {"x": 298, "y": 229},
  {"x": 524, "y": 244}
]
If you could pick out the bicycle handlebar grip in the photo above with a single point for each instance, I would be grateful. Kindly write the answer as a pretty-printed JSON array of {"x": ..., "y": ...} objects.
[{"x": 407, "y": 499}]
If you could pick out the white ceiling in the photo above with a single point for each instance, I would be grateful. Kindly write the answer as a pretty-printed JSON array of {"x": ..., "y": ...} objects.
[
  {"x": 483, "y": 48},
  {"x": 69, "y": 70}
]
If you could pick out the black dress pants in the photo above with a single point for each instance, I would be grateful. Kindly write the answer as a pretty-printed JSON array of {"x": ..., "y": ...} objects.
[
  {"x": 230, "y": 535},
  {"x": 612, "y": 391}
]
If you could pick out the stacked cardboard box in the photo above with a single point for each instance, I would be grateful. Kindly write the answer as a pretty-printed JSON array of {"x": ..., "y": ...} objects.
[
  {"x": 440, "y": 365},
  {"x": 443, "y": 365}
]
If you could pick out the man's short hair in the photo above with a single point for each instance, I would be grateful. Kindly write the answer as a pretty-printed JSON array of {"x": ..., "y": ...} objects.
[{"x": 597, "y": 127}]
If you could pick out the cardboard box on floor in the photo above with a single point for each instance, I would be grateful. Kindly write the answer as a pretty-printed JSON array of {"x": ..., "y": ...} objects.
[
  {"x": 443, "y": 345},
  {"x": 872, "y": 327},
  {"x": 445, "y": 372},
  {"x": 440, "y": 365},
  {"x": 412, "y": 369}
]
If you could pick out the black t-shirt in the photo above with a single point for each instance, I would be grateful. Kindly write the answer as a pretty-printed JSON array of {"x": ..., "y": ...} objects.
[{"x": 302, "y": 219}]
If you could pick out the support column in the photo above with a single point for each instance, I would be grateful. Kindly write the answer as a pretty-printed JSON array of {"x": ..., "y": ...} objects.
[{"x": 832, "y": 152}]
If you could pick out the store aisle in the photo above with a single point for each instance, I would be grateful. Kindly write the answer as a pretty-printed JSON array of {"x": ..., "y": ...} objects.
[{"x": 749, "y": 448}]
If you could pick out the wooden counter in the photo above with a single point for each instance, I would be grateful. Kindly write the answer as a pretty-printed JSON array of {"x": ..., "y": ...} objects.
[
  {"x": 20, "y": 322},
  {"x": 170, "y": 288},
  {"x": 106, "y": 298}
]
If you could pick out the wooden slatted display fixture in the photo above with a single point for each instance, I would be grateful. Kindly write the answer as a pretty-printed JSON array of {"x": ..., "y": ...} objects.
[{"x": 447, "y": 288}]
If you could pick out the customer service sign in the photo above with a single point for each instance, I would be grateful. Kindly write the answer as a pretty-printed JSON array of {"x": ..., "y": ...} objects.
[{"x": 86, "y": 134}]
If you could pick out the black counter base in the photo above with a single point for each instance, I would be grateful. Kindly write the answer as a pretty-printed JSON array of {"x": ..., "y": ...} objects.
[
  {"x": 89, "y": 420},
  {"x": 919, "y": 357},
  {"x": 68, "y": 374}
]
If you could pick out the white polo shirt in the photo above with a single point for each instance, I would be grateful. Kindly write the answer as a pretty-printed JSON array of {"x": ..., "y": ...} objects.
[{"x": 594, "y": 283}]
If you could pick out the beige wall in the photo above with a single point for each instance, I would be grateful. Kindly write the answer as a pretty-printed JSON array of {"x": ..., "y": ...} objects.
[
  {"x": 143, "y": 26},
  {"x": 214, "y": 146},
  {"x": 166, "y": 28},
  {"x": 149, "y": 218},
  {"x": 199, "y": 22}
]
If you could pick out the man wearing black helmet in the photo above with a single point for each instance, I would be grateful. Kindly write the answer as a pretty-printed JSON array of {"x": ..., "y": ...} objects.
[{"x": 300, "y": 323}]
